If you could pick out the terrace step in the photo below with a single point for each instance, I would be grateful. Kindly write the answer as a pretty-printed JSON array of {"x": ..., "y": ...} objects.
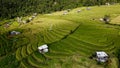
[
  {"x": 18, "y": 54},
  {"x": 29, "y": 49},
  {"x": 24, "y": 51}
]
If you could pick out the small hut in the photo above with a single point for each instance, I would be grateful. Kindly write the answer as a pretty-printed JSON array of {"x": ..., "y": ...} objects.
[
  {"x": 19, "y": 19},
  {"x": 43, "y": 48},
  {"x": 68, "y": 10},
  {"x": 88, "y": 8},
  {"x": 107, "y": 3},
  {"x": 55, "y": 3},
  {"x": 30, "y": 18},
  {"x": 14, "y": 32},
  {"x": 35, "y": 14},
  {"x": 6, "y": 25},
  {"x": 101, "y": 19},
  {"x": 101, "y": 56},
  {"x": 78, "y": 11},
  {"x": 106, "y": 20},
  {"x": 65, "y": 13},
  {"x": 24, "y": 22}
]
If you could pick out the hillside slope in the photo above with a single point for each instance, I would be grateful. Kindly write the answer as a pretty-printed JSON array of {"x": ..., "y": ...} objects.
[{"x": 71, "y": 38}]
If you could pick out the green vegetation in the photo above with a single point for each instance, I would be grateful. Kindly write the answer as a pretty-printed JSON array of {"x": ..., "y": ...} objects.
[
  {"x": 15, "y": 8},
  {"x": 71, "y": 39},
  {"x": 116, "y": 20},
  {"x": 9, "y": 61}
]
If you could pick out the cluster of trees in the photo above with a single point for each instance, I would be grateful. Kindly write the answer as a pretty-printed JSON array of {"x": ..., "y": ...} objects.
[
  {"x": 14, "y": 8},
  {"x": 117, "y": 53},
  {"x": 5, "y": 45},
  {"x": 9, "y": 61}
]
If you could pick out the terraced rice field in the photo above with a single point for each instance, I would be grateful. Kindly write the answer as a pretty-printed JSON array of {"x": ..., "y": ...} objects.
[{"x": 71, "y": 39}]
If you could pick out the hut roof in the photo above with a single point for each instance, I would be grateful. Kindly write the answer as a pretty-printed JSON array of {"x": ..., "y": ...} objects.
[
  {"x": 101, "y": 54},
  {"x": 43, "y": 47}
]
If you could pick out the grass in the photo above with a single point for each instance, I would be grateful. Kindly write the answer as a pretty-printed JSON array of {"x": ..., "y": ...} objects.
[
  {"x": 29, "y": 49},
  {"x": 116, "y": 20},
  {"x": 18, "y": 54},
  {"x": 24, "y": 51},
  {"x": 69, "y": 46}
]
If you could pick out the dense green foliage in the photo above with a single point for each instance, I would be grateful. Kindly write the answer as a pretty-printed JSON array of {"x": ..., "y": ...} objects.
[
  {"x": 14, "y": 8},
  {"x": 9, "y": 61}
]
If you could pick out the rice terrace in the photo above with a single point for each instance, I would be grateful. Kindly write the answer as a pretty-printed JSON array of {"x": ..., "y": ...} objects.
[{"x": 71, "y": 38}]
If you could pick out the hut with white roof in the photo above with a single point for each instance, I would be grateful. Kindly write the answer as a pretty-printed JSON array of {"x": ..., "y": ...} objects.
[
  {"x": 19, "y": 19},
  {"x": 30, "y": 18},
  {"x": 101, "y": 56},
  {"x": 65, "y": 13},
  {"x": 43, "y": 48},
  {"x": 14, "y": 32},
  {"x": 24, "y": 21},
  {"x": 107, "y": 3},
  {"x": 6, "y": 25},
  {"x": 78, "y": 11},
  {"x": 88, "y": 8},
  {"x": 35, "y": 14}
]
